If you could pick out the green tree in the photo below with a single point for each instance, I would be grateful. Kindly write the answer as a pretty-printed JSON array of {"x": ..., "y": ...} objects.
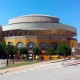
[
  {"x": 6, "y": 50},
  {"x": 23, "y": 52},
  {"x": 36, "y": 51},
  {"x": 9, "y": 50},
  {"x": 2, "y": 46},
  {"x": 15, "y": 50},
  {"x": 63, "y": 49},
  {"x": 50, "y": 51},
  {"x": 11, "y": 47},
  {"x": 12, "y": 51}
]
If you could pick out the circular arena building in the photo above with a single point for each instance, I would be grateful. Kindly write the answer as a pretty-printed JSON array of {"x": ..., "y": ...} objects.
[{"x": 41, "y": 31}]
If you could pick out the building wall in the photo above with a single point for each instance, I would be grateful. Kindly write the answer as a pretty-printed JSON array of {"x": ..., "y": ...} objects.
[
  {"x": 25, "y": 41},
  {"x": 72, "y": 43},
  {"x": 38, "y": 41}
]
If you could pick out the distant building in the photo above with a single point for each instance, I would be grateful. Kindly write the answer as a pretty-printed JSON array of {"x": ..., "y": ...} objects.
[{"x": 37, "y": 30}]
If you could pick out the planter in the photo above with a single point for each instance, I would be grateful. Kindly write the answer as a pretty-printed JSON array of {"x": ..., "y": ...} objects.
[
  {"x": 46, "y": 57},
  {"x": 61, "y": 57},
  {"x": 54, "y": 57}
]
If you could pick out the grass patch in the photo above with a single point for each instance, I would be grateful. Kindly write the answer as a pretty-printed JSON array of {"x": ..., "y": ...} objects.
[{"x": 20, "y": 63}]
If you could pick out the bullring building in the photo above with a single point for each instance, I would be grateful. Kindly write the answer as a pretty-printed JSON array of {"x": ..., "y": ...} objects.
[{"x": 41, "y": 31}]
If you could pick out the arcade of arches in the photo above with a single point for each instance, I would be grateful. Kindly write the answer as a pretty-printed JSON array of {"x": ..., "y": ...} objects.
[
  {"x": 41, "y": 42},
  {"x": 32, "y": 45}
]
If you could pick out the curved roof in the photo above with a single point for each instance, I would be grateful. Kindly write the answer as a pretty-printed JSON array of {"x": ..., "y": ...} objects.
[
  {"x": 33, "y": 15},
  {"x": 34, "y": 18},
  {"x": 39, "y": 22},
  {"x": 40, "y": 26}
]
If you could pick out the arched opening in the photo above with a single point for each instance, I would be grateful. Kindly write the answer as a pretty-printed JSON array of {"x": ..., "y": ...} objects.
[
  {"x": 31, "y": 45},
  {"x": 54, "y": 45},
  {"x": 20, "y": 45},
  {"x": 10, "y": 43},
  {"x": 43, "y": 45}
]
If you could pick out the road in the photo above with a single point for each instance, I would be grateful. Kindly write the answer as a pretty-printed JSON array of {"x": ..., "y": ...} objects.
[{"x": 49, "y": 71}]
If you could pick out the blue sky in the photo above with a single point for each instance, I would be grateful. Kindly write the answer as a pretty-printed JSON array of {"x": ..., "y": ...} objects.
[{"x": 67, "y": 10}]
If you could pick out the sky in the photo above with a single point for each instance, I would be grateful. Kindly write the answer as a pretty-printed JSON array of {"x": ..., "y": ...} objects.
[{"x": 67, "y": 10}]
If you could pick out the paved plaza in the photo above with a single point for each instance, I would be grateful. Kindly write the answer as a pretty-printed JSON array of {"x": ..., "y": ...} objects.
[
  {"x": 47, "y": 71},
  {"x": 2, "y": 62}
]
